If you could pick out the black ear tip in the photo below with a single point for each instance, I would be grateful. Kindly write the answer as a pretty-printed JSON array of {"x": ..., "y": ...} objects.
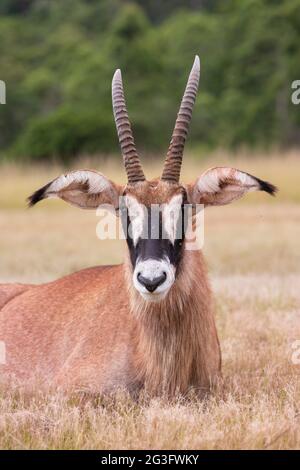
[
  {"x": 268, "y": 187},
  {"x": 37, "y": 196},
  {"x": 29, "y": 201}
]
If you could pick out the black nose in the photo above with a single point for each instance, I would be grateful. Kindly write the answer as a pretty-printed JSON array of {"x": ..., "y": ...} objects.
[{"x": 152, "y": 284}]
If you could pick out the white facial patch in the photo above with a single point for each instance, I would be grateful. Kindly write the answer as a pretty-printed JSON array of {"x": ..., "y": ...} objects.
[
  {"x": 171, "y": 214},
  {"x": 137, "y": 215},
  {"x": 152, "y": 269}
]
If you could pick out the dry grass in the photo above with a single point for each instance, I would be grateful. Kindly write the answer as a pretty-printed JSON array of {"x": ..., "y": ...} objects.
[{"x": 252, "y": 249}]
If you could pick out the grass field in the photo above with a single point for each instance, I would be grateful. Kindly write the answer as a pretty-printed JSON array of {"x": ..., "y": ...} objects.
[{"x": 253, "y": 252}]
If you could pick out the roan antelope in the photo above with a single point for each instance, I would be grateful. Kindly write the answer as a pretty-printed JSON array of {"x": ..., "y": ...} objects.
[{"x": 147, "y": 323}]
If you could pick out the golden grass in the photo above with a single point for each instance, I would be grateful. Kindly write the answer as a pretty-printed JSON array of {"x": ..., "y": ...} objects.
[
  {"x": 252, "y": 249},
  {"x": 18, "y": 181}
]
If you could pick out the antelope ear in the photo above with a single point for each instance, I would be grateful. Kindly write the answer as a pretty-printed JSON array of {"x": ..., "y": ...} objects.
[
  {"x": 222, "y": 185},
  {"x": 87, "y": 189}
]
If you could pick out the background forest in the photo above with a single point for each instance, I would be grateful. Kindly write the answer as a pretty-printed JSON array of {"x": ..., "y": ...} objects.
[{"x": 57, "y": 59}]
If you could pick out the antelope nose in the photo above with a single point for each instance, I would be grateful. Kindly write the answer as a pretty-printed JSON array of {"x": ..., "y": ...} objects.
[{"x": 152, "y": 284}]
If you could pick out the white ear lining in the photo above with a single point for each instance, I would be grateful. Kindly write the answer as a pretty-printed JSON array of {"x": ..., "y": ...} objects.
[
  {"x": 210, "y": 180},
  {"x": 222, "y": 185},
  {"x": 86, "y": 189},
  {"x": 97, "y": 182}
]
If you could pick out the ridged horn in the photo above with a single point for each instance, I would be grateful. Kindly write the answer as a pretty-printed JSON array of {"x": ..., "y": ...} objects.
[
  {"x": 172, "y": 165},
  {"x": 130, "y": 156}
]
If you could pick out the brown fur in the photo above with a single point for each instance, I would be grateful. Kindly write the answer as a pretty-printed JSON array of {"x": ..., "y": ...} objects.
[
  {"x": 153, "y": 192},
  {"x": 94, "y": 338},
  {"x": 10, "y": 291},
  {"x": 91, "y": 330},
  {"x": 176, "y": 342}
]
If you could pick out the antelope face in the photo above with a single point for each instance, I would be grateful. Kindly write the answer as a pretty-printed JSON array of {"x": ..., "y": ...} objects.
[
  {"x": 154, "y": 223},
  {"x": 153, "y": 212}
]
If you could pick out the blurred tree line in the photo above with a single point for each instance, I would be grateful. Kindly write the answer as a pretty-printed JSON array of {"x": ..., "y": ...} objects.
[{"x": 58, "y": 57}]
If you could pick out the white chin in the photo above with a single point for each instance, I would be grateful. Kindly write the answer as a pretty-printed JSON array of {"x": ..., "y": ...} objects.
[{"x": 154, "y": 297}]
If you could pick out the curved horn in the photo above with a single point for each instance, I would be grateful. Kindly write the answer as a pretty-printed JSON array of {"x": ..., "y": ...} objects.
[
  {"x": 171, "y": 170},
  {"x": 130, "y": 156}
]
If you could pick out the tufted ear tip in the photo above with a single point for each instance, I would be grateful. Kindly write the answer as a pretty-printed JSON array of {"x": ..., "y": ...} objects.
[
  {"x": 38, "y": 195},
  {"x": 267, "y": 187}
]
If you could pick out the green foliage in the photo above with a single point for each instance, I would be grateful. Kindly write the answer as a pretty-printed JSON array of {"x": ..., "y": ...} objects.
[
  {"x": 58, "y": 58},
  {"x": 65, "y": 134}
]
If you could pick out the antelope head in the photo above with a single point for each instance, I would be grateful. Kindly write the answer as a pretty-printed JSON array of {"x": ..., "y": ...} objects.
[{"x": 156, "y": 206}]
